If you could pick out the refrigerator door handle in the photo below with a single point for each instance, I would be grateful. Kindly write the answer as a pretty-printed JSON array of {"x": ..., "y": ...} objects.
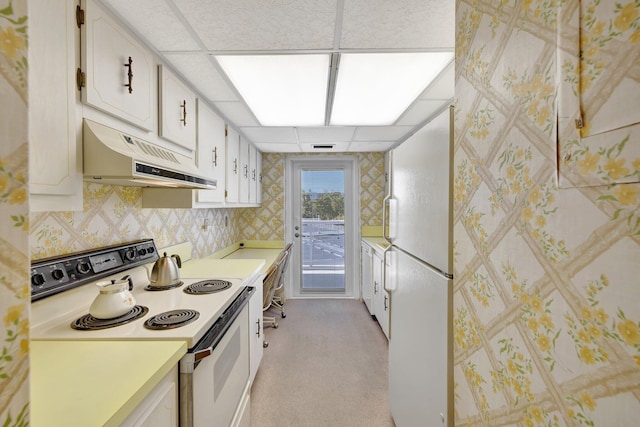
[
  {"x": 389, "y": 223},
  {"x": 384, "y": 217},
  {"x": 389, "y": 285}
]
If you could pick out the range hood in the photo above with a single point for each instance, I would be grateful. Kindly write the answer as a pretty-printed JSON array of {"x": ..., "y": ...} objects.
[{"x": 113, "y": 157}]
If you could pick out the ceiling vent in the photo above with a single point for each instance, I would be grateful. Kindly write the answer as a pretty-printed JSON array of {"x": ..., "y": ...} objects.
[{"x": 323, "y": 146}]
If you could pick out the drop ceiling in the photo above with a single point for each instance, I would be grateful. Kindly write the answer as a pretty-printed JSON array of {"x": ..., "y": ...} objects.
[{"x": 189, "y": 34}]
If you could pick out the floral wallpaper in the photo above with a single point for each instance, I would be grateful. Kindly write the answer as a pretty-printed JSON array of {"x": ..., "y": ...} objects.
[
  {"x": 114, "y": 214},
  {"x": 546, "y": 312},
  {"x": 267, "y": 221},
  {"x": 14, "y": 208}
]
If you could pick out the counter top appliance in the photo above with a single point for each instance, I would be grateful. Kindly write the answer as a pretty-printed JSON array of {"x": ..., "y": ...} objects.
[{"x": 209, "y": 314}]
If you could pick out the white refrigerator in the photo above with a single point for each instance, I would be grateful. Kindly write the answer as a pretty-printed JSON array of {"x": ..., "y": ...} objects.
[{"x": 418, "y": 222}]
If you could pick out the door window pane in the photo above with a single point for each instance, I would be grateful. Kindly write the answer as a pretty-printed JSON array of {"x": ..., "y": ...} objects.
[{"x": 322, "y": 230}]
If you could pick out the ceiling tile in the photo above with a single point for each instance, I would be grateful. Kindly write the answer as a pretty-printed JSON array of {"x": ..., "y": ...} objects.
[
  {"x": 443, "y": 87},
  {"x": 260, "y": 25},
  {"x": 325, "y": 134},
  {"x": 273, "y": 147},
  {"x": 237, "y": 113},
  {"x": 203, "y": 75},
  {"x": 381, "y": 133},
  {"x": 258, "y": 134},
  {"x": 419, "y": 112},
  {"x": 358, "y": 146},
  {"x": 156, "y": 22},
  {"x": 370, "y": 24}
]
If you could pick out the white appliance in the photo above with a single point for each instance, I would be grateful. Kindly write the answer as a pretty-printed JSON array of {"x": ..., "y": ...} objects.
[
  {"x": 214, "y": 373},
  {"x": 418, "y": 223},
  {"x": 114, "y": 157}
]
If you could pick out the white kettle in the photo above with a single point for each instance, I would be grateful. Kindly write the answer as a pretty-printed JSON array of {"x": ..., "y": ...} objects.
[{"x": 114, "y": 299}]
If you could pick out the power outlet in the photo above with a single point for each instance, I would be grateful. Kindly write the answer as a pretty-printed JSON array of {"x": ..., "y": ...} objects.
[{"x": 205, "y": 226}]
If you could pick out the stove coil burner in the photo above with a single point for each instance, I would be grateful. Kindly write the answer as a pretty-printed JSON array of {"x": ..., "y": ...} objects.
[
  {"x": 90, "y": 323},
  {"x": 207, "y": 287},
  {"x": 171, "y": 319},
  {"x": 163, "y": 288}
]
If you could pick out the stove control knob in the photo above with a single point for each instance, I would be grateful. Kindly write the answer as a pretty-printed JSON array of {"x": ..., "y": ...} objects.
[
  {"x": 83, "y": 267},
  {"x": 142, "y": 251},
  {"x": 57, "y": 274},
  {"x": 37, "y": 279},
  {"x": 130, "y": 254},
  {"x": 150, "y": 249}
]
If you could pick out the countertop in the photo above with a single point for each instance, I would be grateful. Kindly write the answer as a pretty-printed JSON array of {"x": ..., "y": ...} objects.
[
  {"x": 379, "y": 244},
  {"x": 222, "y": 268},
  {"x": 95, "y": 383},
  {"x": 267, "y": 254}
]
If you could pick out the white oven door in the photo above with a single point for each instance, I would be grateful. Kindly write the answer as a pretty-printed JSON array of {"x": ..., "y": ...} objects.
[{"x": 220, "y": 379}]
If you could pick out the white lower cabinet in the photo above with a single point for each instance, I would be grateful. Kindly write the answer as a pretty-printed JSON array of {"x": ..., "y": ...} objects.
[
  {"x": 160, "y": 407},
  {"x": 380, "y": 295},
  {"x": 366, "y": 276},
  {"x": 256, "y": 332}
]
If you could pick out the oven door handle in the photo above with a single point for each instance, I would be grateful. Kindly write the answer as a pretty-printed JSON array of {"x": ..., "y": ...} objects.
[{"x": 201, "y": 354}]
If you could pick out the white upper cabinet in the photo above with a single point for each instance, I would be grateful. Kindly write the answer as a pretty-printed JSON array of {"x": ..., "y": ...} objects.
[
  {"x": 245, "y": 173},
  {"x": 253, "y": 174},
  {"x": 259, "y": 177},
  {"x": 211, "y": 152},
  {"x": 233, "y": 166},
  {"x": 119, "y": 71},
  {"x": 55, "y": 149},
  {"x": 177, "y": 110}
]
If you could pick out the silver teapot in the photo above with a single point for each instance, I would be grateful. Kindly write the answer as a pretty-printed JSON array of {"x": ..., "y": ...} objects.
[{"x": 165, "y": 271}]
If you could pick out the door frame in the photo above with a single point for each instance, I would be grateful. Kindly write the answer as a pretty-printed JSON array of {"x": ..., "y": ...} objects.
[{"x": 352, "y": 216}]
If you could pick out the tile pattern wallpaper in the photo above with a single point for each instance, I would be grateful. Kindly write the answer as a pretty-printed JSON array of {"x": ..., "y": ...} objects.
[
  {"x": 546, "y": 288},
  {"x": 267, "y": 221},
  {"x": 114, "y": 214},
  {"x": 14, "y": 208}
]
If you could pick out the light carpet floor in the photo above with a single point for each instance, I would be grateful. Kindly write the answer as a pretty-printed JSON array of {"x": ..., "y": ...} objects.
[{"x": 326, "y": 365}]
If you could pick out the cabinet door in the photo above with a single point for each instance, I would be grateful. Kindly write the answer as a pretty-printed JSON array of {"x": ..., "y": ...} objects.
[
  {"x": 177, "y": 110},
  {"x": 55, "y": 156},
  {"x": 366, "y": 276},
  {"x": 211, "y": 152},
  {"x": 259, "y": 175},
  {"x": 244, "y": 170},
  {"x": 381, "y": 296},
  {"x": 119, "y": 70},
  {"x": 233, "y": 166},
  {"x": 253, "y": 174},
  {"x": 256, "y": 333},
  {"x": 160, "y": 407}
]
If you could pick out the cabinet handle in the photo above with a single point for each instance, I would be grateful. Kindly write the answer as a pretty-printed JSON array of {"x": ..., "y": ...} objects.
[
  {"x": 246, "y": 171},
  {"x": 385, "y": 303},
  {"x": 375, "y": 287},
  {"x": 258, "y": 331},
  {"x": 184, "y": 112},
  {"x": 260, "y": 178},
  {"x": 129, "y": 75},
  {"x": 215, "y": 156},
  {"x": 253, "y": 175},
  {"x": 235, "y": 166}
]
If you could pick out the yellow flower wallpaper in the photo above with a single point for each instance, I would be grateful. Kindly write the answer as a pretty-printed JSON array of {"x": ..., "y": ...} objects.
[
  {"x": 14, "y": 209},
  {"x": 547, "y": 227}
]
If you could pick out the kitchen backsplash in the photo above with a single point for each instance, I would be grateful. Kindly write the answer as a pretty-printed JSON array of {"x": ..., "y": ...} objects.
[
  {"x": 546, "y": 312},
  {"x": 14, "y": 213},
  {"x": 114, "y": 214}
]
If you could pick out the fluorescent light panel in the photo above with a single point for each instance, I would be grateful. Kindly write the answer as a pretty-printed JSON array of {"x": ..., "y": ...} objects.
[
  {"x": 281, "y": 90},
  {"x": 375, "y": 89}
]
